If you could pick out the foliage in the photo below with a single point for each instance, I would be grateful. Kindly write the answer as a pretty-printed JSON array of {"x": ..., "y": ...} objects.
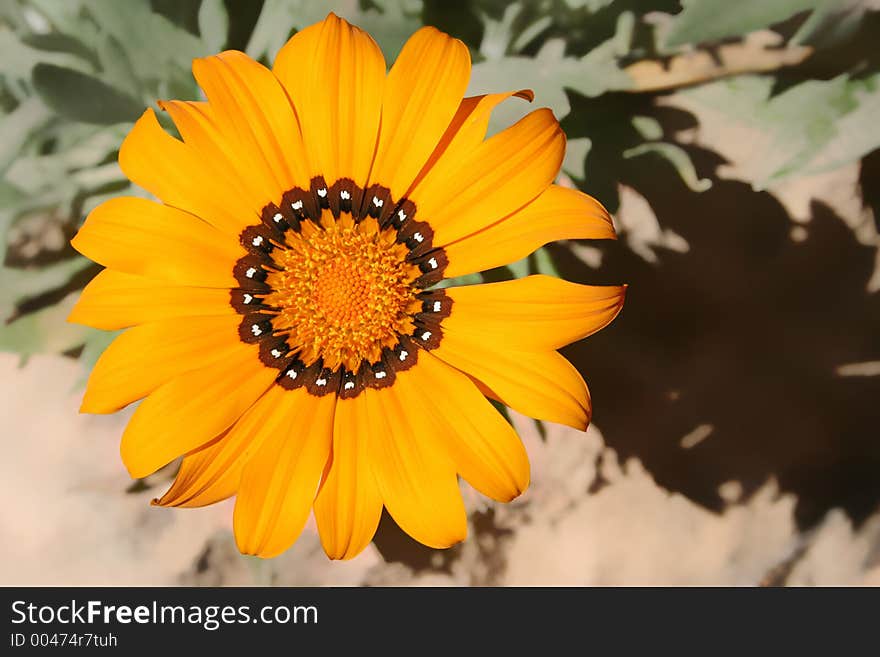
[{"x": 74, "y": 75}]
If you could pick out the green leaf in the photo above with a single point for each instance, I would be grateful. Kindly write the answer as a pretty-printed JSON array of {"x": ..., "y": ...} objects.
[
  {"x": 549, "y": 73},
  {"x": 390, "y": 22},
  {"x": 710, "y": 20},
  {"x": 156, "y": 47},
  {"x": 44, "y": 331},
  {"x": 21, "y": 284},
  {"x": 82, "y": 97},
  {"x": 576, "y": 151},
  {"x": 18, "y": 126},
  {"x": 648, "y": 127},
  {"x": 95, "y": 343},
  {"x": 213, "y": 24},
  {"x": 678, "y": 158},
  {"x": 18, "y": 59},
  {"x": 810, "y": 127}
]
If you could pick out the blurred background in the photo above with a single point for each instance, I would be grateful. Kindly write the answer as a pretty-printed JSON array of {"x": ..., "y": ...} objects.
[{"x": 735, "y": 441}]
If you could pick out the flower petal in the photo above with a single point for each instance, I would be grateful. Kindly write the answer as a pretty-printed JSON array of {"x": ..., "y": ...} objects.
[
  {"x": 484, "y": 447},
  {"x": 558, "y": 213},
  {"x": 466, "y": 131},
  {"x": 182, "y": 177},
  {"x": 198, "y": 124},
  {"x": 533, "y": 313},
  {"x": 280, "y": 480},
  {"x": 348, "y": 505},
  {"x": 138, "y": 236},
  {"x": 254, "y": 113},
  {"x": 335, "y": 74},
  {"x": 184, "y": 413},
  {"x": 422, "y": 94},
  {"x": 542, "y": 385},
  {"x": 414, "y": 473},
  {"x": 113, "y": 300},
  {"x": 213, "y": 472},
  {"x": 146, "y": 356},
  {"x": 501, "y": 175}
]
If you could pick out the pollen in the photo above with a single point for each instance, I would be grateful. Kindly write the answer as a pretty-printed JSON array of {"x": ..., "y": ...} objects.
[{"x": 343, "y": 291}]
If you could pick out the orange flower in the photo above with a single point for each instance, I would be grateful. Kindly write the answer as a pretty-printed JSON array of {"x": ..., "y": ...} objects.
[{"x": 288, "y": 332}]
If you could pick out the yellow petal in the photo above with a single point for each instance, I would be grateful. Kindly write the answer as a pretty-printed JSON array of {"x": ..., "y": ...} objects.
[
  {"x": 414, "y": 473},
  {"x": 422, "y": 94},
  {"x": 183, "y": 178},
  {"x": 542, "y": 385},
  {"x": 501, "y": 175},
  {"x": 113, "y": 300},
  {"x": 348, "y": 505},
  {"x": 213, "y": 472},
  {"x": 558, "y": 213},
  {"x": 138, "y": 236},
  {"x": 466, "y": 132},
  {"x": 533, "y": 313},
  {"x": 146, "y": 356},
  {"x": 484, "y": 447},
  {"x": 199, "y": 125},
  {"x": 254, "y": 114},
  {"x": 280, "y": 480},
  {"x": 335, "y": 74},
  {"x": 192, "y": 409}
]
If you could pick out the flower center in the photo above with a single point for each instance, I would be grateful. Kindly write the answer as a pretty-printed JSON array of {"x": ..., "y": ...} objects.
[
  {"x": 344, "y": 291},
  {"x": 333, "y": 288}
]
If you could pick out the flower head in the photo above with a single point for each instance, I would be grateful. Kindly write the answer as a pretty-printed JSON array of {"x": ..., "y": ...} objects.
[{"x": 285, "y": 326}]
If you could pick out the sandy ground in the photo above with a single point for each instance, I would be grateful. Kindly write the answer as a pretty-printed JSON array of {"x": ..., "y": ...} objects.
[{"x": 69, "y": 519}]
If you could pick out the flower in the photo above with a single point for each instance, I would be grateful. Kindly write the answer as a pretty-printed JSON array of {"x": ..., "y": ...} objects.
[{"x": 285, "y": 326}]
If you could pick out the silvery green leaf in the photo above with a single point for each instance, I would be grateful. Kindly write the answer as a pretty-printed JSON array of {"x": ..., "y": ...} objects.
[
  {"x": 810, "y": 127},
  {"x": 21, "y": 284},
  {"x": 19, "y": 59},
  {"x": 678, "y": 158},
  {"x": 213, "y": 24},
  {"x": 18, "y": 126},
  {"x": 575, "y": 157},
  {"x": 44, "y": 331},
  {"x": 549, "y": 73},
  {"x": 710, "y": 20},
  {"x": 95, "y": 343},
  {"x": 648, "y": 127},
  {"x": 542, "y": 263},
  {"x": 83, "y": 97},
  {"x": 155, "y": 46},
  {"x": 390, "y": 22}
]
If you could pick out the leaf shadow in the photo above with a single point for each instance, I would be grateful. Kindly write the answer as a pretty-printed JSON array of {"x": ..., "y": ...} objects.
[{"x": 742, "y": 335}]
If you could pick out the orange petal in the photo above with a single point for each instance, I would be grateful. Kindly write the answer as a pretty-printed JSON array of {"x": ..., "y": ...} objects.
[
  {"x": 482, "y": 444},
  {"x": 558, "y": 213},
  {"x": 335, "y": 74},
  {"x": 137, "y": 236},
  {"x": 414, "y": 472},
  {"x": 503, "y": 174},
  {"x": 213, "y": 472},
  {"x": 199, "y": 126},
  {"x": 422, "y": 94},
  {"x": 466, "y": 131},
  {"x": 533, "y": 313},
  {"x": 280, "y": 479},
  {"x": 183, "y": 178},
  {"x": 348, "y": 506},
  {"x": 542, "y": 385},
  {"x": 146, "y": 356},
  {"x": 113, "y": 300},
  {"x": 255, "y": 115},
  {"x": 192, "y": 409}
]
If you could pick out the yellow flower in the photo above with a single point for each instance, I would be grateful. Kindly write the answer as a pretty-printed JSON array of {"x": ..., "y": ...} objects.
[{"x": 288, "y": 334}]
